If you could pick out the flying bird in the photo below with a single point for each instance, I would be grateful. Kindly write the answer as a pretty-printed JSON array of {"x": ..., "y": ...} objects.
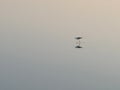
[{"x": 78, "y": 42}]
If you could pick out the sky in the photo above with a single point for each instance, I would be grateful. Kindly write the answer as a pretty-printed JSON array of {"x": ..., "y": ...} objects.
[{"x": 37, "y": 45}]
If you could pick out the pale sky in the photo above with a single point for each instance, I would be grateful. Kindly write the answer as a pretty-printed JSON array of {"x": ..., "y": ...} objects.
[{"x": 37, "y": 45}]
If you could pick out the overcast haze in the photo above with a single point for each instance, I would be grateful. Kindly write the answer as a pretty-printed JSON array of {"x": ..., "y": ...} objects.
[{"x": 37, "y": 45}]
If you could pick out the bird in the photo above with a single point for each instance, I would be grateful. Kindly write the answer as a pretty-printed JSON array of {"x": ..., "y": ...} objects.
[{"x": 78, "y": 42}]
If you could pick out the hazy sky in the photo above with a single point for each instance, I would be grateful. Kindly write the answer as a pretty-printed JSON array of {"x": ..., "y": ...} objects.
[{"x": 37, "y": 45}]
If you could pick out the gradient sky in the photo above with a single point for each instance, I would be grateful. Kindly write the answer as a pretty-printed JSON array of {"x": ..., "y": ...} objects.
[{"x": 37, "y": 45}]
